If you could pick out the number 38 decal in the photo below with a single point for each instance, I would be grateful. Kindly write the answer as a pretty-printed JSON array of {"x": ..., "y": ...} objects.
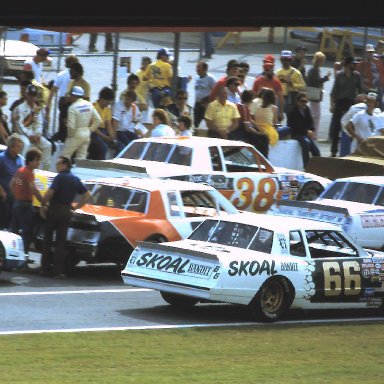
[{"x": 261, "y": 197}]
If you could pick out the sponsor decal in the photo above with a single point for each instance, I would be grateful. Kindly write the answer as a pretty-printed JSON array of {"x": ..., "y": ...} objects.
[
  {"x": 372, "y": 221},
  {"x": 374, "y": 301},
  {"x": 282, "y": 243},
  {"x": 251, "y": 268},
  {"x": 172, "y": 264},
  {"x": 216, "y": 181},
  {"x": 366, "y": 273},
  {"x": 369, "y": 291},
  {"x": 289, "y": 267}
]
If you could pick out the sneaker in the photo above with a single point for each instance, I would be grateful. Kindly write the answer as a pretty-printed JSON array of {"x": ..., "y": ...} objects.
[{"x": 93, "y": 50}]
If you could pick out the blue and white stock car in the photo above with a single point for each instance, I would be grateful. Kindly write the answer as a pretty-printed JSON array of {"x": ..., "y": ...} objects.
[
  {"x": 266, "y": 262},
  {"x": 356, "y": 204},
  {"x": 12, "y": 253}
]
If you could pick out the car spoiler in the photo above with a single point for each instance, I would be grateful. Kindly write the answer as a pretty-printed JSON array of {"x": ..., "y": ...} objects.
[
  {"x": 91, "y": 169},
  {"x": 310, "y": 210}
]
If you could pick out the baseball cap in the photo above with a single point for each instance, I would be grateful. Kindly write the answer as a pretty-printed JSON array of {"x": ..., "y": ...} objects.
[
  {"x": 350, "y": 60},
  {"x": 31, "y": 90},
  {"x": 77, "y": 91},
  {"x": 163, "y": 52},
  {"x": 371, "y": 95},
  {"x": 369, "y": 48},
  {"x": 269, "y": 58},
  {"x": 43, "y": 52},
  {"x": 286, "y": 54}
]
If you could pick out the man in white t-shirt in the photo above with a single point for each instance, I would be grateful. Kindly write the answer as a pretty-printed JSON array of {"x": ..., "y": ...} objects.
[
  {"x": 35, "y": 64},
  {"x": 366, "y": 123}
]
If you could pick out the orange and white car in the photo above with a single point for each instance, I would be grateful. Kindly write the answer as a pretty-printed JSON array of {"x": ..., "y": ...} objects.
[
  {"x": 124, "y": 211},
  {"x": 237, "y": 169}
]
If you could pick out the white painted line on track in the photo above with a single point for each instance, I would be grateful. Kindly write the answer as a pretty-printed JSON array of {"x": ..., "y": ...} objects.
[
  {"x": 180, "y": 326},
  {"x": 82, "y": 291}
]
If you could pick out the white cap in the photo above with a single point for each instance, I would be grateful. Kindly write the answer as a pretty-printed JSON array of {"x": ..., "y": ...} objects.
[
  {"x": 77, "y": 91},
  {"x": 287, "y": 54},
  {"x": 369, "y": 48}
]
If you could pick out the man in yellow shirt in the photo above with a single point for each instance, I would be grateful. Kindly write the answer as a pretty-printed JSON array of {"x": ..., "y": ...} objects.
[
  {"x": 291, "y": 80},
  {"x": 159, "y": 74},
  {"x": 221, "y": 116}
]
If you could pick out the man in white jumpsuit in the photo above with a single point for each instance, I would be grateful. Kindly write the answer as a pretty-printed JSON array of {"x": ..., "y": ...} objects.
[
  {"x": 82, "y": 120},
  {"x": 29, "y": 118}
]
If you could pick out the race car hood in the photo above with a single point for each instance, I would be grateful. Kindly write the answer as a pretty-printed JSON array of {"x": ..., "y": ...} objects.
[
  {"x": 101, "y": 213},
  {"x": 303, "y": 176}
]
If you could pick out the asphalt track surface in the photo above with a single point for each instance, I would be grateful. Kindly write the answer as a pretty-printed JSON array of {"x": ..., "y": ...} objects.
[{"x": 94, "y": 298}]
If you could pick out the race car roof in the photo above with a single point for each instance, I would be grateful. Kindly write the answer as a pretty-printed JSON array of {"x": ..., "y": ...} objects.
[
  {"x": 279, "y": 223},
  {"x": 152, "y": 184},
  {"x": 376, "y": 180}
]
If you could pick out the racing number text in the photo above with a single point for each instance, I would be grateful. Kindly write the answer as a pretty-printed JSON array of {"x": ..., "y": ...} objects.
[{"x": 342, "y": 277}]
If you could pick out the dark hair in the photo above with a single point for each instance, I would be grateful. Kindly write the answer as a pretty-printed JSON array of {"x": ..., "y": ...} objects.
[
  {"x": 204, "y": 64},
  {"x": 134, "y": 77},
  {"x": 25, "y": 83},
  {"x": 107, "y": 93},
  {"x": 300, "y": 95},
  {"x": 78, "y": 68},
  {"x": 2, "y": 94},
  {"x": 186, "y": 120},
  {"x": 232, "y": 63},
  {"x": 244, "y": 65},
  {"x": 66, "y": 161},
  {"x": 27, "y": 75},
  {"x": 232, "y": 80},
  {"x": 147, "y": 59},
  {"x": 181, "y": 92},
  {"x": 32, "y": 155},
  {"x": 247, "y": 96},
  {"x": 131, "y": 94},
  {"x": 70, "y": 59},
  {"x": 268, "y": 97}
]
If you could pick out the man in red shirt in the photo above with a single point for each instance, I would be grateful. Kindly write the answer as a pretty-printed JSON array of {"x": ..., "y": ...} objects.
[
  {"x": 268, "y": 80},
  {"x": 24, "y": 189},
  {"x": 232, "y": 70}
]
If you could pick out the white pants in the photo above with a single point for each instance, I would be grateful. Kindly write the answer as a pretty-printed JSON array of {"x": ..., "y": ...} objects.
[
  {"x": 77, "y": 144},
  {"x": 44, "y": 146},
  {"x": 314, "y": 106}
]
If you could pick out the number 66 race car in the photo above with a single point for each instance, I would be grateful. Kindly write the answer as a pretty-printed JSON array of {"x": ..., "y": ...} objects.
[{"x": 266, "y": 262}]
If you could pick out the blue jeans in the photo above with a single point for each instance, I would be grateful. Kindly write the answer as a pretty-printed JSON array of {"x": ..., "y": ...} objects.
[
  {"x": 345, "y": 144},
  {"x": 22, "y": 220},
  {"x": 307, "y": 146}
]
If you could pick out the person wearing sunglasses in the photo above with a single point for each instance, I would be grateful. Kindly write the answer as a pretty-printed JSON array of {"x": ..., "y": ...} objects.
[
  {"x": 179, "y": 108},
  {"x": 300, "y": 122}
]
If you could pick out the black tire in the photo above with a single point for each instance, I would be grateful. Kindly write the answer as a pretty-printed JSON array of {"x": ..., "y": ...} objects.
[
  {"x": 156, "y": 239},
  {"x": 272, "y": 300},
  {"x": 310, "y": 191},
  {"x": 179, "y": 301},
  {"x": 2, "y": 256}
]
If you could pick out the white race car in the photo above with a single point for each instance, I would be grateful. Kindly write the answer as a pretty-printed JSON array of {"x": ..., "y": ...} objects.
[
  {"x": 237, "y": 169},
  {"x": 12, "y": 253},
  {"x": 263, "y": 261},
  {"x": 356, "y": 204}
]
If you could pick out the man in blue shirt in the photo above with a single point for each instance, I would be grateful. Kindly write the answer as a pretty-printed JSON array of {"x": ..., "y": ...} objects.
[
  {"x": 10, "y": 162},
  {"x": 60, "y": 196}
]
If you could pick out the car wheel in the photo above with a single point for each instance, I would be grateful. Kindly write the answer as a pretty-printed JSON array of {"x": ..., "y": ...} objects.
[
  {"x": 310, "y": 191},
  {"x": 179, "y": 301},
  {"x": 271, "y": 301},
  {"x": 2, "y": 254}
]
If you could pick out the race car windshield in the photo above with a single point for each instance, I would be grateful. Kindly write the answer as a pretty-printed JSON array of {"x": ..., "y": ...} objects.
[
  {"x": 234, "y": 234},
  {"x": 122, "y": 198}
]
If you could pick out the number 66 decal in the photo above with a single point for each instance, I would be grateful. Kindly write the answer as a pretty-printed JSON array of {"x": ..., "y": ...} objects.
[
  {"x": 245, "y": 188},
  {"x": 342, "y": 277}
]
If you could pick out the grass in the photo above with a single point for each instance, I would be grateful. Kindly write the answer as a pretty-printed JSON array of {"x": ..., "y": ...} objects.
[{"x": 341, "y": 353}]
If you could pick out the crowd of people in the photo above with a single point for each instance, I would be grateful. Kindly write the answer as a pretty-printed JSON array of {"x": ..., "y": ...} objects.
[{"x": 281, "y": 102}]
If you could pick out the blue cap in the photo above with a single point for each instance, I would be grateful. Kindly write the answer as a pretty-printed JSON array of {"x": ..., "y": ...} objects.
[{"x": 163, "y": 52}]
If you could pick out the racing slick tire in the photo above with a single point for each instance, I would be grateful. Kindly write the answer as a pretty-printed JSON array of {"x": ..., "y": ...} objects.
[
  {"x": 179, "y": 301},
  {"x": 271, "y": 301}
]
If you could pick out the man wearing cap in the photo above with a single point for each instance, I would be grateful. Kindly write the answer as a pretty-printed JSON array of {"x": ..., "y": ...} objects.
[
  {"x": 159, "y": 74},
  {"x": 291, "y": 80},
  {"x": 232, "y": 70},
  {"x": 268, "y": 80},
  {"x": 82, "y": 120},
  {"x": 35, "y": 64},
  {"x": 372, "y": 72},
  {"x": 29, "y": 119},
  {"x": 347, "y": 85},
  {"x": 298, "y": 61},
  {"x": 365, "y": 123}
]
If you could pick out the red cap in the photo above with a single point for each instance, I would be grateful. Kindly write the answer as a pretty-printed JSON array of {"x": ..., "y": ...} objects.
[{"x": 269, "y": 58}]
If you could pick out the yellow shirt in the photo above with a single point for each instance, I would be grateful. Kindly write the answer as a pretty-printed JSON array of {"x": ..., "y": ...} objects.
[
  {"x": 105, "y": 113},
  {"x": 159, "y": 74},
  {"x": 80, "y": 83},
  {"x": 142, "y": 90},
  {"x": 222, "y": 115},
  {"x": 298, "y": 83}
]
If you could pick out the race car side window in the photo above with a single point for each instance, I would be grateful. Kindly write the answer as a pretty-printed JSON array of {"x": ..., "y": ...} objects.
[
  {"x": 134, "y": 150},
  {"x": 334, "y": 191},
  {"x": 361, "y": 192},
  {"x": 158, "y": 152},
  {"x": 215, "y": 158},
  {"x": 262, "y": 241},
  {"x": 296, "y": 243},
  {"x": 380, "y": 198},
  {"x": 173, "y": 205},
  {"x": 181, "y": 156}
]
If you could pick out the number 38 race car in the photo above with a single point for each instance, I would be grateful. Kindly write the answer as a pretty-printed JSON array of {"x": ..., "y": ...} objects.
[{"x": 266, "y": 262}]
